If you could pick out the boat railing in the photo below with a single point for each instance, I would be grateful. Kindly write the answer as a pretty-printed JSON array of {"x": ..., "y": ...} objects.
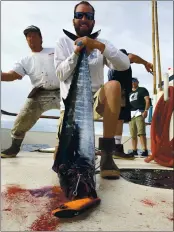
[{"x": 49, "y": 117}]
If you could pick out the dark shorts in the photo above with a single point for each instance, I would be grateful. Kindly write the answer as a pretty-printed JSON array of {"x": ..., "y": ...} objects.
[
  {"x": 126, "y": 88},
  {"x": 125, "y": 114},
  {"x": 125, "y": 79}
]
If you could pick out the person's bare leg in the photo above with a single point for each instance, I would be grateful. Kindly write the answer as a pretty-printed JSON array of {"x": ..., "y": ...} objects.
[
  {"x": 110, "y": 97},
  {"x": 134, "y": 139},
  {"x": 141, "y": 128},
  {"x": 119, "y": 128},
  {"x": 143, "y": 142},
  {"x": 134, "y": 143}
]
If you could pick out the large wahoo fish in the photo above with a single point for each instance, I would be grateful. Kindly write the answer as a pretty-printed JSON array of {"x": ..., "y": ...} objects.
[{"x": 75, "y": 158}]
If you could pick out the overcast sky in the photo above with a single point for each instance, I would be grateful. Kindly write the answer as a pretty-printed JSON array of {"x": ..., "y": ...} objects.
[{"x": 127, "y": 24}]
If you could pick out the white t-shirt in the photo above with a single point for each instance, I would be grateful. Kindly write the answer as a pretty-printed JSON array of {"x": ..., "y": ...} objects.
[
  {"x": 65, "y": 61},
  {"x": 39, "y": 66}
]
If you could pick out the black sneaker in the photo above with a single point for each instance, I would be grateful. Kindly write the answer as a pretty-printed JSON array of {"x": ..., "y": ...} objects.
[
  {"x": 144, "y": 153},
  {"x": 133, "y": 153}
]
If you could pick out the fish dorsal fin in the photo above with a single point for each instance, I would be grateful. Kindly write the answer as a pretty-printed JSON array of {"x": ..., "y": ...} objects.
[{"x": 74, "y": 37}]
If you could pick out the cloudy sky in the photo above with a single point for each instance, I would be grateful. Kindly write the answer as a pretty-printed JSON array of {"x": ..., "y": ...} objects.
[{"x": 127, "y": 24}]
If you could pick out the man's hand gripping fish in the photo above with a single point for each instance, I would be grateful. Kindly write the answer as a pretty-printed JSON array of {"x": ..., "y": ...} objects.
[{"x": 75, "y": 158}]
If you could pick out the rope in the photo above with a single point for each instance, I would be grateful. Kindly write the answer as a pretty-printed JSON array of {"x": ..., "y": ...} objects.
[{"x": 161, "y": 146}]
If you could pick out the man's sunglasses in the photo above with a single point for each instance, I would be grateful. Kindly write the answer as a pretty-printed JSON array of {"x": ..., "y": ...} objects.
[
  {"x": 88, "y": 15},
  {"x": 134, "y": 81}
]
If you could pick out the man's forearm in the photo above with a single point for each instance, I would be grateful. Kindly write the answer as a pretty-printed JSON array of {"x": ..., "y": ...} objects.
[
  {"x": 147, "y": 106},
  {"x": 9, "y": 76},
  {"x": 137, "y": 59},
  {"x": 100, "y": 46}
]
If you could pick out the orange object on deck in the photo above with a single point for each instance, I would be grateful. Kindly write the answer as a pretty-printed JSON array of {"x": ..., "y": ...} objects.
[
  {"x": 75, "y": 208},
  {"x": 161, "y": 147}
]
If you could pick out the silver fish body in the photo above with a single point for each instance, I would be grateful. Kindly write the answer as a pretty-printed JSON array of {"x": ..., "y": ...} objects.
[
  {"x": 75, "y": 159},
  {"x": 83, "y": 114}
]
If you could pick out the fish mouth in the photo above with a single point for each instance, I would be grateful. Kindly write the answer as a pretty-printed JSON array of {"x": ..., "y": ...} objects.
[{"x": 77, "y": 184}]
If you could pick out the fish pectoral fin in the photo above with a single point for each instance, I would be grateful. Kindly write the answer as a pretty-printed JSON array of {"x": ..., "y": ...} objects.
[
  {"x": 74, "y": 37},
  {"x": 75, "y": 208},
  {"x": 70, "y": 35},
  {"x": 95, "y": 34}
]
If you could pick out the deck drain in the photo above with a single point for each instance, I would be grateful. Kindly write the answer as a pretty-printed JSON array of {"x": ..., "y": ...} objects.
[{"x": 150, "y": 177}]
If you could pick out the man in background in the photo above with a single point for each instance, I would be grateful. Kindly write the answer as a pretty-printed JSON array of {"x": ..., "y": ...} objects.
[
  {"x": 140, "y": 103},
  {"x": 45, "y": 95},
  {"x": 125, "y": 79}
]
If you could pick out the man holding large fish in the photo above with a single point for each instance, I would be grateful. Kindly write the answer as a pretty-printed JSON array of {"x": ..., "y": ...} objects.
[{"x": 107, "y": 97}]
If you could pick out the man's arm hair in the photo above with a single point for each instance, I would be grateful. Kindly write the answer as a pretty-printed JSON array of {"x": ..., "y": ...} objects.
[
  {"x": 10, "y": 76},
  {"x": 136, "y": 59}
]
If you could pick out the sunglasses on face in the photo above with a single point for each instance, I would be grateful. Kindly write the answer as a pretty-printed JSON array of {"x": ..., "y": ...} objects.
[{"x": 88, "y": 15}]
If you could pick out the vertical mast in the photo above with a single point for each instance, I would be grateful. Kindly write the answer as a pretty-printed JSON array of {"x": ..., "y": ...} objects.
[{"x": 154, "y": 48}]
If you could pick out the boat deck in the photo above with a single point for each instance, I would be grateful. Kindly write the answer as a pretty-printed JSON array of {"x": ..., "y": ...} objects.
[{"x": 124, "y": 206}]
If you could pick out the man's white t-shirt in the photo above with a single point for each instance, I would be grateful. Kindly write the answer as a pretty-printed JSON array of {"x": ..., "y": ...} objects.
[
  {"x": 39, "y": 66},
  {"x": 65, "y": 61}
]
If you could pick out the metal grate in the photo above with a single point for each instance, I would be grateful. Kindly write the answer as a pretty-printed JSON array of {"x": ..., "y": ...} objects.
[{"x": 150, "y": 177}]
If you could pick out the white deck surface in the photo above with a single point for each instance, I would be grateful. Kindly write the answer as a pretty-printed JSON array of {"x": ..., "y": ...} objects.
[{"x": 121, "y": 208}]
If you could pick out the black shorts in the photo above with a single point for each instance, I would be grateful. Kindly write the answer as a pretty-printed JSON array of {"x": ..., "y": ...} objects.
[
  {"x": 126, "y": 85},
  {"x": 125, "y": 114}
]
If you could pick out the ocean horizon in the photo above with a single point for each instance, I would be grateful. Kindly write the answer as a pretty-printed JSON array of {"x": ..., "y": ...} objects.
[{"x": 50, "y": 125}]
